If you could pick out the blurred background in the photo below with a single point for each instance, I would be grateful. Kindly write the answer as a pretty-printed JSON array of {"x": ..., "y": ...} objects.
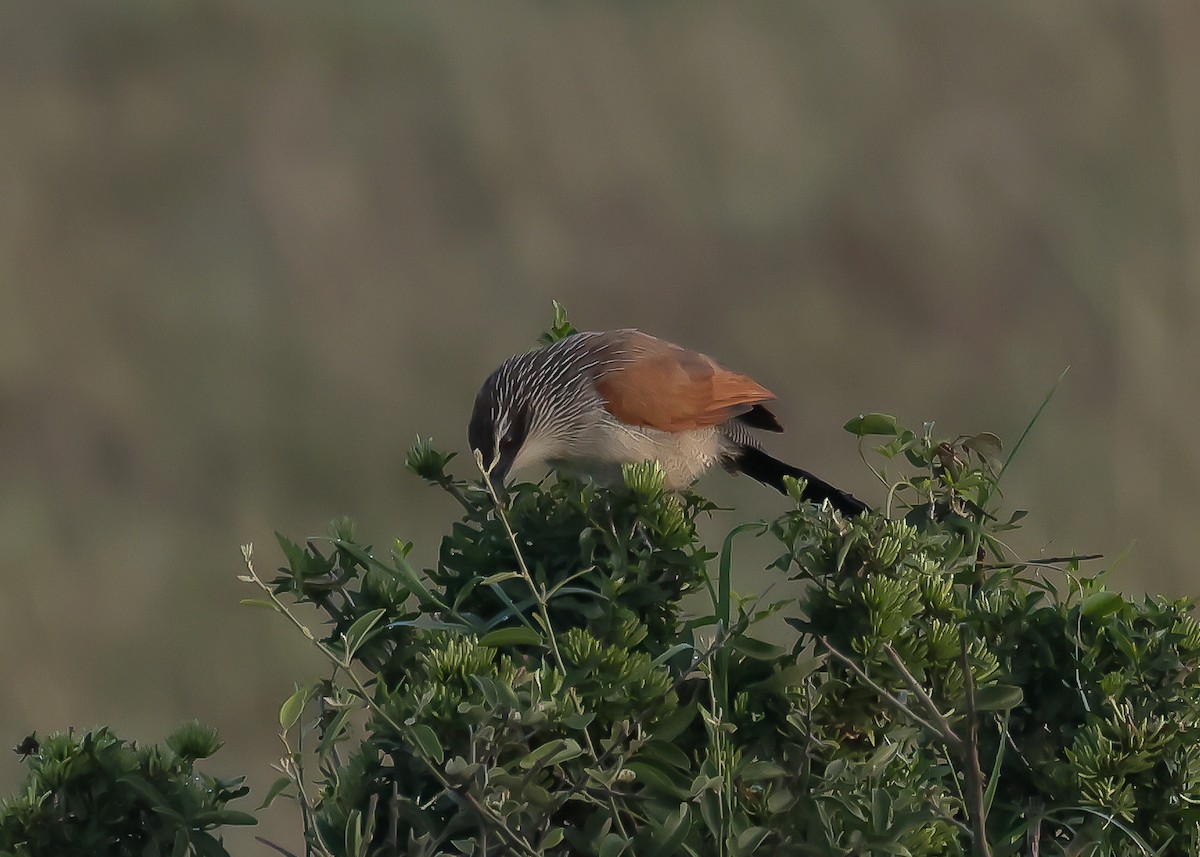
[{"x": 248, "y": 252}]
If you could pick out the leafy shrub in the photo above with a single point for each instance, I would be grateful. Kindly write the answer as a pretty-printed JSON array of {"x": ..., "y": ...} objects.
[
  {"x": 550, "y": 688},
  {"x": 576, "y": 675},
  {"x": 93, "y": 794}
]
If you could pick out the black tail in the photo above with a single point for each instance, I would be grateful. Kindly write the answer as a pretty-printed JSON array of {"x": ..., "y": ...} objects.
[{"x": 770, "y": 471}]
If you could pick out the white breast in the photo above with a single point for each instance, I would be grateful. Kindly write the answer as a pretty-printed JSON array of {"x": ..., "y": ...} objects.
[{"x": 685, "y": 456}]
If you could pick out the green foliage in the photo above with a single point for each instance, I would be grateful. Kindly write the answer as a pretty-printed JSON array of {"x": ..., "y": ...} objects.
[
  {"x": 560, "y": 328},
  {"x": 551, "y": 688},
  {"x": 570, "y": 679},
  {"x": 93, "y": 794}
]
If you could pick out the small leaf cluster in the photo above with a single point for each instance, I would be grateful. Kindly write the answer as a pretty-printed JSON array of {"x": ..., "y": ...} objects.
[{"x": 93, "y": 793}]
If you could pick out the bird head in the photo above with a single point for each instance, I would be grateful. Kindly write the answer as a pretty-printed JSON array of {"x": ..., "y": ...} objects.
[{"x": 500, "y": 426}]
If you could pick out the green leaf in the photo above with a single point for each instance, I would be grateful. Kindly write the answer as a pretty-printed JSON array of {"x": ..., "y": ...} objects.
[
  {"x": 579, "y": 721},
  {"x": 291, "y": 709},
  {"x": 724, "y": 571},
  {"x": 233, "y": 816},
  {"x": 518, "y": 635},
  {"x": 258, "y": 602},
  {"x": 666, "y": 752},
  {"x": 879, "y": 760},
  {"x": 1012, "y": 456},
  {"x": 204, "y": 845},
  {"x": 993, "y": 780},
  {"x": 296, "y": 558},
  {"x": 998, "y": 697},
  {"x": 275, "y": 791},
  {"x": 758, "y": 650},
  {"x": 493, "y": 579},
  {"x": 705, "y": 783},
  {"x": 780, "y": 801},
  {"x": 723, "y": 603},
  {"x": 427, "y": 741},
  {"x": 844, "y": 550},
  {"x": 672, "y": 652},
  {"x": 872, "y": 424},
  {"x": 761, "y": 769},
  {"x": 711, "y": 812},
  {"x": 357, "y": 633},
  {"x": 985, "y": 443},
  {"x": 656, "y": 780},
  {"x": 353, "y": 835},
  {"x": 413, "y": 583},
  {"x": 1101, "y": 604},
  {"x": 356, "y": 552},
  {"x": 613, "y": 845},
  {"x": 673, "y": 725},
  {"x": 793, "y": 675},
  {"x": 495, "y": 693},
  {"x": 150, "y": 794},
  {"x": 670, "y": 834},
  {"x": 334, "y": 731},
  {"x": 552, "y": 753},
  {"x": 750, "y": 838}
]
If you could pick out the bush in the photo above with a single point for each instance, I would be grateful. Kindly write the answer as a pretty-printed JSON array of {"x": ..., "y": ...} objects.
[
  {"x": 95, "y": 794},
  {"x": 550, "y": 688},
  {"x": 572, "y": 677}
]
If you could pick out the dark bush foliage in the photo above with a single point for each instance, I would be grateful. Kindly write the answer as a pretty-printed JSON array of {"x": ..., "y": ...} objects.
[
  {"x": 549, "y": 687},
  {"x": 93, "y": 794}
]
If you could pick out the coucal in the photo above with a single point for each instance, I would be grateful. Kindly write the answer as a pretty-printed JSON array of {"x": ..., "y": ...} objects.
[{"x": 596, "y": 400}]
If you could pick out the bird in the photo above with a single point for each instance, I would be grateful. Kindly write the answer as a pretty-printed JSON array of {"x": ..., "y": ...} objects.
[{"x": 596, "y": 400}]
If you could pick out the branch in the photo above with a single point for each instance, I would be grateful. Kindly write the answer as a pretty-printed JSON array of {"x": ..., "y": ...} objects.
[
  {"x": 966, "y": 749},
  {"x": 882, "y": 691},
  {"x": 943, "y": 728},
  {"x": 976, "y": 804}
]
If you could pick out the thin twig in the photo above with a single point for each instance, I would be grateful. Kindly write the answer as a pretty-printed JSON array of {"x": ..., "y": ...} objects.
[
  {"x": 944, "y": 730},
  {"x": 293, "y": 767},
  {"x": 1049, "y": 561},
  {"x": 976, "y": 805},
  {"x": 451, "y": 487},
  {"x": 966, "y": 749},
  {"x": 272, "y": 845},
  {"x": 882, "y": 691},
  {"x": 539, "y": 597},
  {"x": 393, "y": 837}
]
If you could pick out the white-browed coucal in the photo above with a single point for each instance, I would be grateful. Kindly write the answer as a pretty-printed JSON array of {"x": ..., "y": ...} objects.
[{"x": 594, "y": 401}]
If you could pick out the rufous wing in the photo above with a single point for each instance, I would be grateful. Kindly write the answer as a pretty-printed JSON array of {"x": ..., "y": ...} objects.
[{"x": 669, "y": 388}]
